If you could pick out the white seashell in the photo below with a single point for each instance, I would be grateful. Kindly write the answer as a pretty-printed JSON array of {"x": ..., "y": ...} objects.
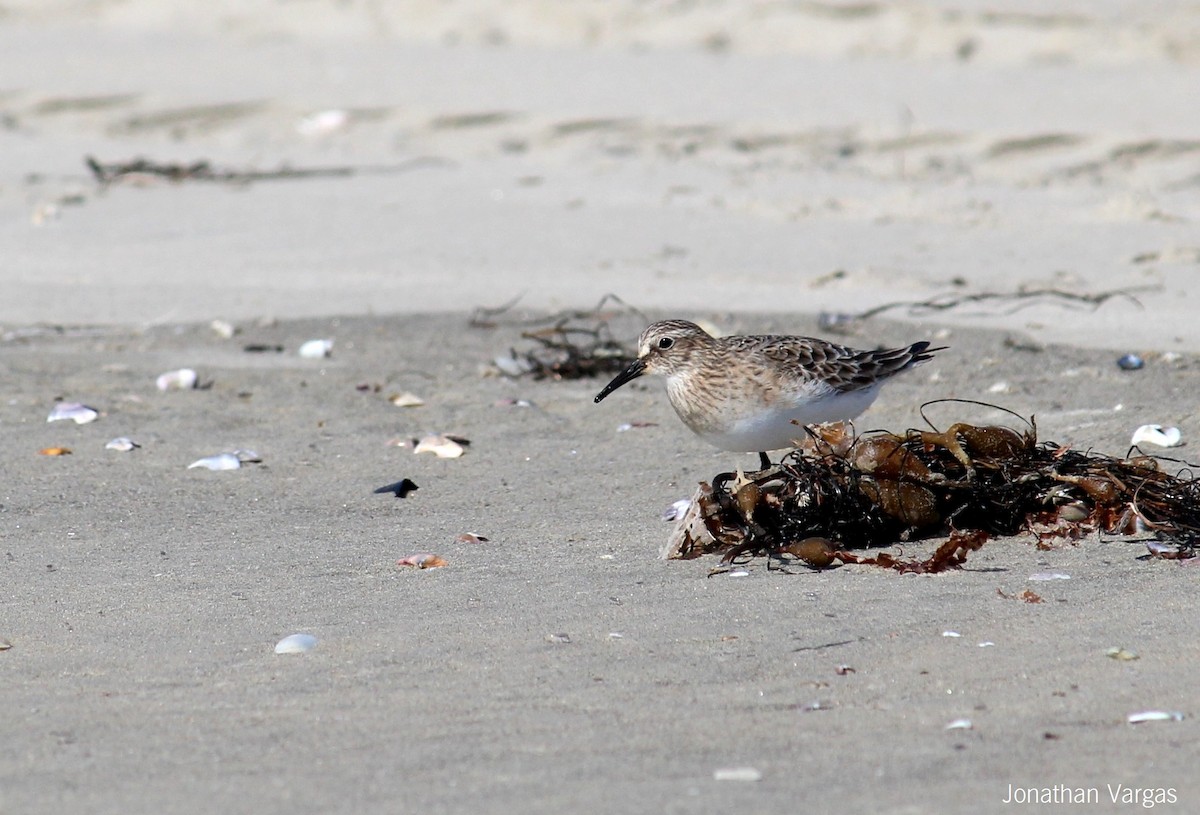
[
  {"x": 406, "y": 399},
  {"x": 440, "y": 446},
  {"x": 76, "y": 412},
  {"x": 960, "y": 724},
  {"x": 999, "y": 387},
  {"x": 221, "y": 461},
  {"x": 677, "y": 510},
  {"x": 183, "y": 379},
  {"x": 951, "y": 634},
  {"x": 296, "y": 644},
  {"x": 223, "y": 329},
  {"x": 1154, "y": 716},
  {"x": 1158, "y": 435},
  {"x": 122, "y": 444},
  {"x": 737, "y": 774},
  {"x": 323, "y": 122},
  {"x": 316, "y": 349},
  {"x": 511, "y": 366},
  {"x": 1044, "y": 576}
]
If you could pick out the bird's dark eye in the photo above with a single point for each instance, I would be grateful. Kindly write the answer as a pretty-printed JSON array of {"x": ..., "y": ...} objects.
[{"x": 665, "y": 342}]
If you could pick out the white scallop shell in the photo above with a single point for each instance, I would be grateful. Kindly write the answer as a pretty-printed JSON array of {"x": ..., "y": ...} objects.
[
  {"x": 76, "y": 412},
  {"x": 440, "y": 446},
  {"x": 1158, "y": 435},
  {"x": 221, "y": 461},
  {"x": 316, "y": 349},
  {"x": 296, "y": 644},
  {"x": 181, "y": 380},
  {"x": 121, "y": 444}
]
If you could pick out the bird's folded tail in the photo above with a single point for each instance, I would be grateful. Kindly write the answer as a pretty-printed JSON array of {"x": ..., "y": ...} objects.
[{"x": 880, "y": 364}]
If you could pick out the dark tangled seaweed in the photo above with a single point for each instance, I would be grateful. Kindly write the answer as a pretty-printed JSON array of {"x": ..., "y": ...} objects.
[{"x": 970, "y": 482}]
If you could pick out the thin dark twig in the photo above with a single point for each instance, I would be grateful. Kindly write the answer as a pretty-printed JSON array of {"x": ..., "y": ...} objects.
[{"x": 1020, "y": 299}]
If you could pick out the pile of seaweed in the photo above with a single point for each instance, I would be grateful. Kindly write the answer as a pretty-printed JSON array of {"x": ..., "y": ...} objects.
[
  {"x": 575, "y": 344},
  {"x": 971, "y": 483}
]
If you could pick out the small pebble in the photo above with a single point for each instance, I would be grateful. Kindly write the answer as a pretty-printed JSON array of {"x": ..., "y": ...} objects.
[{"x": 1131, "y": 362}]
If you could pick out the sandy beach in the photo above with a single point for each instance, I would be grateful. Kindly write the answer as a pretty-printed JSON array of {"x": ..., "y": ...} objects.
[{"x": 381, "y": 170}]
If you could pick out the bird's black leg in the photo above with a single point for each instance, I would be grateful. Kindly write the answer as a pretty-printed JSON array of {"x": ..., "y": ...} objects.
[{"x": 764, "y": 460}]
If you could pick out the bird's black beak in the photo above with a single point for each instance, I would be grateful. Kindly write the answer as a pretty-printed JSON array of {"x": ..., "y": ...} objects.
[{"x": 635, "y": 369}]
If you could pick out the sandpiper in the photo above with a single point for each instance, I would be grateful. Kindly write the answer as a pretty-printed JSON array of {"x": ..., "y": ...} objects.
[{"x": 750, "y": 393}]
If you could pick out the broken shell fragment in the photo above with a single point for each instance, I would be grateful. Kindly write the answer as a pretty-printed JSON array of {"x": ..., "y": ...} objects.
[
  {"x": 424, "y": 561},
  {"x": 323, "y": 122},
  {"x": 1154, "y": 716},
  {"x": 406, "y": 399},
  {"x": 737, "y": 774},
  {"x": 677, "y": 510},
  {"x": 75, "y": 411},
  {"x": 1167, "y": 551},
  {"x": 513, "y": 366},
  {"x": 441, "y": 446},
  {"x": 399, "y": 488},
  {"x": 471, "y": 537},
  {"x": 223, "y": 329},
  {"x": 122, "y": 444},
  {"x": 960, "y": 724},
  {"x": 221, "y": 461},
  {"x": 180, "y": 380},
  {"x": 1121, "y": 654},
  {"x": 1158, "y": 435},
  {"x": 296, "y": 644},
  {"x": 316, "y": 349},
  {"x": 55, "y": 451}
]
